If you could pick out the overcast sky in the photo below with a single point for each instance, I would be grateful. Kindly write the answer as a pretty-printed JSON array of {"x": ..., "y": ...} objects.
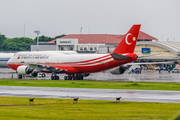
[{"x": 159, "y": 18}]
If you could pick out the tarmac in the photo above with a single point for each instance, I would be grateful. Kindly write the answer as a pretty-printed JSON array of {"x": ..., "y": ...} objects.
[
  {"x": 145, "y": 76},
  {"x": 99, "y": 94}
]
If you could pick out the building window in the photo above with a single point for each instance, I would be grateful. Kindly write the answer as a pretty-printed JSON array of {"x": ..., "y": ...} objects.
[
  {"x": 81, "y": 48},
  {"x": 62, "y": 48},
  {"x": 91, "y": 49},
  {"x": 95, "y": 48},
  {"x": 71, "y": 48},
  {"x": 85, "y": 48}
]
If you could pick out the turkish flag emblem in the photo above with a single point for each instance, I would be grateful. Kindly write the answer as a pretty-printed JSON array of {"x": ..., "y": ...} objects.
[{"x": 18, "y": 57}]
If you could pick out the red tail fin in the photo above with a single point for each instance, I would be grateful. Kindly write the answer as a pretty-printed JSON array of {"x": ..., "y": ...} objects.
[{"x": 128, "y": 43}]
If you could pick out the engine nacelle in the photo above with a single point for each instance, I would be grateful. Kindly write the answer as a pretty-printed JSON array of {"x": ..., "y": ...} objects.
[
  {"x": 24, "y": 70},
  {"x": 34, "y": 73},
  {"x": 118, "y": 70},
  {"x": 85, "y": 74}
]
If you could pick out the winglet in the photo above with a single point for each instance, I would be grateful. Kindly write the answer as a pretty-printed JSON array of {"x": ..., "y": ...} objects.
[{"x": 128, "y": 43}]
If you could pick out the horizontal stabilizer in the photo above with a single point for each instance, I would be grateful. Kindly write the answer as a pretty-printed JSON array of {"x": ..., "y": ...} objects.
[{"x": 119, "y": 56}]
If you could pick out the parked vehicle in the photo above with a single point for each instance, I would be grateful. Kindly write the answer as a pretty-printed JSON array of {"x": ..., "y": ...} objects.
[
  {"x": 137, "y": 70},
  {"x": 157, "y": 68},
  {"x": 176, "y": 70}
]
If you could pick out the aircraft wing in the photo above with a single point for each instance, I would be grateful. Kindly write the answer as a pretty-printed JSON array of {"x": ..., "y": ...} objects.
[{"x": 39, "y": 67}]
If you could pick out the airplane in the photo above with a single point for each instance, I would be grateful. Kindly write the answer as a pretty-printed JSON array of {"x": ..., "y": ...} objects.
[
  {"x": 4, "y": 57},
  {"x": 75, "y": 66}
]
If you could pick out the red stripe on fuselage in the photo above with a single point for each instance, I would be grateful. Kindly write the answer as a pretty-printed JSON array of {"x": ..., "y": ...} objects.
[
  {"x": 81, "y": 68},
  {"x": 97, "y": 61},
  {"x": 94, "y": 59}
]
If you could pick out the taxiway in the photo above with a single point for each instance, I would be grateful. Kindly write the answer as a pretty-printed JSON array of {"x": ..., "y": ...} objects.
[{"x": 92, "y": 94}]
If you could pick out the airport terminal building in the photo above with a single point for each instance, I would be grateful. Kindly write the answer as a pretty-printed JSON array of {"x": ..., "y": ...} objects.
[{"x": 106, "y": 43}]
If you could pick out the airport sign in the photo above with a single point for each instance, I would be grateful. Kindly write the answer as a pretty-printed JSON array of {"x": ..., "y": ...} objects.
[{"x": 146, "y": 50}]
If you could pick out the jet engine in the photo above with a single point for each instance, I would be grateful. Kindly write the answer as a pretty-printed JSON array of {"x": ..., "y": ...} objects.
[
  {"x": 119, "y": 70},
  {"x": 34, "y": 73},
  {"x": 24, "y": 70}
]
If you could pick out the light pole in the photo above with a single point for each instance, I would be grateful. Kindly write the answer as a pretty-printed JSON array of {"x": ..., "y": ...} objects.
[{"x": 37, "y": 32}]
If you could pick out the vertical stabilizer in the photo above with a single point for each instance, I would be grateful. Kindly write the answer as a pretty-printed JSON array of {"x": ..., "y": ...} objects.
[{"x": 128, "y": 43}]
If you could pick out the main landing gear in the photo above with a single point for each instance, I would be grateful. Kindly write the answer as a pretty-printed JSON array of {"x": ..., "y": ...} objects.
[
  {"x": 72, "y": 77},
  {"x": 54, "y": 77},
  {"x": 19, "y": 76}
]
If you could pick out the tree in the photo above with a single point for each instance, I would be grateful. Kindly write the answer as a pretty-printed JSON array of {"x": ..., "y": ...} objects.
[
  {"x": 43, "y": 39},
  {"x": 2, "y": 38},
  {"x": 59, "y": 36},
  {"x": 47, "y": 39},
  {"x": 17, "y": 44}
]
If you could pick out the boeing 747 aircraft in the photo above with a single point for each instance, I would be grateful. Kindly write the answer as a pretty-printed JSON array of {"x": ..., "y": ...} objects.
[{"x": 75, "y": 66}]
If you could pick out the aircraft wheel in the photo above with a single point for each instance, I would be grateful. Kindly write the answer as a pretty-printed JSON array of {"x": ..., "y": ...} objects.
[
  {"x": 80, "y": 77},
  {"x": 69, "y": 77},
  {"x": 43, "y": 75},
  {"x": 65, "y": 78},
  {"x": 74, "y": 78},
  {"x": 56, "y": 77},
  {"x": 19, "y": 76},
  {"x": 52, "y": 77}
]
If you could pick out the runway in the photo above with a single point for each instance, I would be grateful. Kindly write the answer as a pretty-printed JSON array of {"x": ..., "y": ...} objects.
[{"x": 92, "y": 94}]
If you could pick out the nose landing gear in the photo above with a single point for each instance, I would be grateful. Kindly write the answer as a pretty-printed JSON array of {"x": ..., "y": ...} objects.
[{"x": 19, "y": 76}]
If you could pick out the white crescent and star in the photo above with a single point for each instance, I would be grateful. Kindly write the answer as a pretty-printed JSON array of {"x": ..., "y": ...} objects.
[{"x": 126, "y": 39}]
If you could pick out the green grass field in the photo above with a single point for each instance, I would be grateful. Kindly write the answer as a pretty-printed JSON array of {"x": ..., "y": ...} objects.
[
  {"x": 92, "y": 84},
  {"x": 18, "y": 108}
]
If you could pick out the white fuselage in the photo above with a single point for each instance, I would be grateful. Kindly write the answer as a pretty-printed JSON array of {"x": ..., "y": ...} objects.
[
  {"x": 51, "y": 57},
  {"x": 4, "y": 57}
]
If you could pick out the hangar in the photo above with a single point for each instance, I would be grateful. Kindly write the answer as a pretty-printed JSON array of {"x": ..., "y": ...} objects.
[
  {"x": 166, "y": 51},
  {"x": 106, "y": 43}
]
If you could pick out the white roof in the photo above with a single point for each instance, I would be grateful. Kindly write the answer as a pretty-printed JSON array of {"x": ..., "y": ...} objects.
[{"x": 173, "y": 47}]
